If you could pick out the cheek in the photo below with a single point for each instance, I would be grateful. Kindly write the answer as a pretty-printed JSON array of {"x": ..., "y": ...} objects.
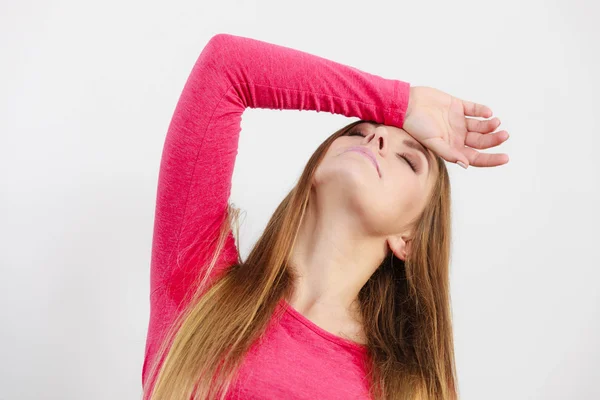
[{"x": 400, "y": 199}]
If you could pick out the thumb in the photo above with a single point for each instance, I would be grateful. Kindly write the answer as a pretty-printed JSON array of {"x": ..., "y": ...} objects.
[{"x": 440, "y": 147}]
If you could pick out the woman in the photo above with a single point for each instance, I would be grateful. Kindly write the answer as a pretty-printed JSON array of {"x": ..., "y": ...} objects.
[{"x": 346, "y": 293}]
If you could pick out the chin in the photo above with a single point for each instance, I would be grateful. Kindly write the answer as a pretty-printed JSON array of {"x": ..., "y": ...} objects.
[{"x": 347, "y": 176}]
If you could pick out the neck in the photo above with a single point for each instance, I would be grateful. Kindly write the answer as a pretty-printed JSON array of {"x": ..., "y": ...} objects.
[{"x": 334, "y": 258}]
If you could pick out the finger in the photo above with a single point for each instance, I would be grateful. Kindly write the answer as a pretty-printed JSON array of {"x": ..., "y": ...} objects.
[
  {"x": 478, "y": 140},
  {"x": 444, "y": 150},
  {"x": 478, "y": 159},
  {"x": 488, "y": 125},
  {"x": 476, "y": 110}
]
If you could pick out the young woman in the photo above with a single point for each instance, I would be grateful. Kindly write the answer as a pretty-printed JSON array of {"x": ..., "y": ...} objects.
[{"x": 346, "y": 293}]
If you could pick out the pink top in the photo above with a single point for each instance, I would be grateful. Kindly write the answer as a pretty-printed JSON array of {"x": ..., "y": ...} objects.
[{"x": 297, "y": 359}]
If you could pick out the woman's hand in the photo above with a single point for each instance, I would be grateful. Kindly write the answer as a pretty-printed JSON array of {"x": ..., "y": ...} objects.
[{"x": 439, "y": 122}]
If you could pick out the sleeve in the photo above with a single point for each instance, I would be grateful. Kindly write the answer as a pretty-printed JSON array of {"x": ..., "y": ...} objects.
[{"x": 194, "y": 183}]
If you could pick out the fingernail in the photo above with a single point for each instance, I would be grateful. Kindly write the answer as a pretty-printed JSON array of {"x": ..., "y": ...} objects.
[{"x": 462, "y": 164}]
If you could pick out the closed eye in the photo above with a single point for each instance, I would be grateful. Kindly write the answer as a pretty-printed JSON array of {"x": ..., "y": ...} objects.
[
  {"x": 406, "y": 157},
  {"x": 356, "y": 132}
]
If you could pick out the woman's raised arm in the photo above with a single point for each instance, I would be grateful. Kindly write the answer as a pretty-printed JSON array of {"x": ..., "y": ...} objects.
[{"x": 231, "y": 74}]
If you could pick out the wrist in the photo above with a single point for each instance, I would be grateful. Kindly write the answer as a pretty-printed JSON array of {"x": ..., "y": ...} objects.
[{"x": 411, "y": 102}]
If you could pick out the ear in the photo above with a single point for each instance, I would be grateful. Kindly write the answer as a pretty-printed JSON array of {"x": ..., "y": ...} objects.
[{"x": 400, "y": 245}]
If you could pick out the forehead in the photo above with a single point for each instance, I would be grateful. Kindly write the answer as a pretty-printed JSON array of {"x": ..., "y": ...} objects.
[{"x": 390, "y": 128}]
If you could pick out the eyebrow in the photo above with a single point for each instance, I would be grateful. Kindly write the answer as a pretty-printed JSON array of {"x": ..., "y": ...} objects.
[{"x": 413, "y": 144}]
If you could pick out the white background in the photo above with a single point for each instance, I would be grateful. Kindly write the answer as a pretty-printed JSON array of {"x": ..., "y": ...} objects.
[{"x": 87, "y": 91}]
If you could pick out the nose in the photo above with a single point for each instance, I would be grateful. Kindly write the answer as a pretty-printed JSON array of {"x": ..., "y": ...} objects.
[{"x": 378, "y": 140}]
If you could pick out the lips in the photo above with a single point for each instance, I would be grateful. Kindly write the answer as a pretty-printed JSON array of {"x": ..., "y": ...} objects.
[{"x": 365, "y": 151}]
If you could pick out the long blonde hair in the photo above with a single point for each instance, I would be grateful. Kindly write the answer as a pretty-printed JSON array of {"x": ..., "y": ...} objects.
[{"x": 405, "y": 306}]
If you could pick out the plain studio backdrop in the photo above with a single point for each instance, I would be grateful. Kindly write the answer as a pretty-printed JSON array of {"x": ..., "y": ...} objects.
[{"x": 88, "y": 91}]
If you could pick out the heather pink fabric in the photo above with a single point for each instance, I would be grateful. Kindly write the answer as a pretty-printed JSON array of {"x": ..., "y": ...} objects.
[{"x": 296, "y": 359}]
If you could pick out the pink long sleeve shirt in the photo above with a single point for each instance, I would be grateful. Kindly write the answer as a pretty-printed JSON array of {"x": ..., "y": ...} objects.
[{"x": 297, "y": 359}]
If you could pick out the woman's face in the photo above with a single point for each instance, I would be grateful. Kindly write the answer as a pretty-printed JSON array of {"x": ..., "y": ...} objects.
[{"x": 387, "y": 196}]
